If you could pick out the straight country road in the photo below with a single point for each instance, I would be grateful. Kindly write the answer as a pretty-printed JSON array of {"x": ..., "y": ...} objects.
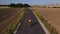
[{"x": 33, "y": 28}]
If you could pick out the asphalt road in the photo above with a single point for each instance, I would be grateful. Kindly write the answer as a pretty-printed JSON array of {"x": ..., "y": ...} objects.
[{"x": 34, "y": 28}]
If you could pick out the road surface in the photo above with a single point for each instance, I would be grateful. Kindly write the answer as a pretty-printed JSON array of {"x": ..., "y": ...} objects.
[{"x": 34, "y": 28}]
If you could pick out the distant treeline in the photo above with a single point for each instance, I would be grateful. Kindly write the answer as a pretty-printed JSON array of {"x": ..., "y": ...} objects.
[
  {"x": 19, "y": 5},
  {"x": 4, "y": 5}
]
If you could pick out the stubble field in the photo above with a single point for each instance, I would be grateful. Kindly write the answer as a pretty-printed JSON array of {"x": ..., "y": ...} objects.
[{"x": 52, "y": 15}]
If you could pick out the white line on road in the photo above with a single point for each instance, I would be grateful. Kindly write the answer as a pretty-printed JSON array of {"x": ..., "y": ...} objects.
[
  {"x": 43, "y": 26},
  {"x": 17, "y": 28}
]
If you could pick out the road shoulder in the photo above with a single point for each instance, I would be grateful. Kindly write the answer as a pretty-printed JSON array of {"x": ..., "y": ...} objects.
[{"x": 43, "y": 26}]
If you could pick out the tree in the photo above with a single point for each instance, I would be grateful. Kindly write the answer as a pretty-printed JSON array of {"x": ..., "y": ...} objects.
[
  {"x": 26, "y": 5},
  {"x": 12, "y": 5},
  {"x": 19, "y": 5}
]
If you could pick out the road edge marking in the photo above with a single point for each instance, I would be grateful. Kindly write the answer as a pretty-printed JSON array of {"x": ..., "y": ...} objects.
[
  {"x": 17, "y": 28},
  {"x": 43, "y": 26}
]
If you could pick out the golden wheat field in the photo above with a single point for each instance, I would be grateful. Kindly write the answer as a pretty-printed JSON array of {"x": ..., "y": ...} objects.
[{"x": 52, "y": 15}]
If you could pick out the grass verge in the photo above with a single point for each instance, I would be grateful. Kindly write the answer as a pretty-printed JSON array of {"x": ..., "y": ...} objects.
[
  {"x": 12, "y": 27},
  {"x": 51, "y": 29}
]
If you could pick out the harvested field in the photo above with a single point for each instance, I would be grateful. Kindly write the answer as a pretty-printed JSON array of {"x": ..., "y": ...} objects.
[
  {"x": 2, "y": 7},
  {"x": 52, "y": 15},
  {"x": 7, "y": 16}
]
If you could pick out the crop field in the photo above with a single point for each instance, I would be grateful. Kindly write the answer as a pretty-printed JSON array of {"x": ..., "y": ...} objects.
[
  {"x": 52, "y": 15},
  {"x": 7, "y": 16}
]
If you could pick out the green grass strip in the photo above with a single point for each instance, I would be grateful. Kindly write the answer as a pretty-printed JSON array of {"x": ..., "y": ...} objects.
[
  {"x": 12, "y": 27},
  {"x": 51, "y": 29}
]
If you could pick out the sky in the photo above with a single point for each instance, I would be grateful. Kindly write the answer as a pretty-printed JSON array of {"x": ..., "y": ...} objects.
[{"x": 31, "y": 2}]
